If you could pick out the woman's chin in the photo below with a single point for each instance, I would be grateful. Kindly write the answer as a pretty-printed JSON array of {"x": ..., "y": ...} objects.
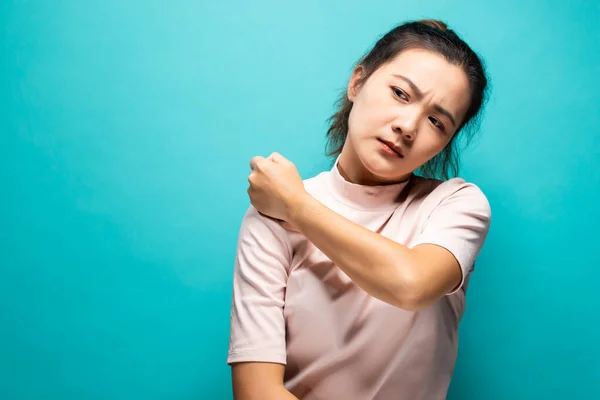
[{"x": 384, "y": 169}]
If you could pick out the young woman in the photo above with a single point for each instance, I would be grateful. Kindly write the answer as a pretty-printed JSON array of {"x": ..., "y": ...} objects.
[{"x": 351, "y": 284}]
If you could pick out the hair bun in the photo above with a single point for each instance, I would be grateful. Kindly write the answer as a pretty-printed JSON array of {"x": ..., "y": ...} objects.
[{"x": 433, "y": 23}]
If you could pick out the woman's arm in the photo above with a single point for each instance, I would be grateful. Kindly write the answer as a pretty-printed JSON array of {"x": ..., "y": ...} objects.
[
  {"x": 257, "y": 348},
  {"x": 407, "y": 278},
  {"x": 259, "y": 381}
]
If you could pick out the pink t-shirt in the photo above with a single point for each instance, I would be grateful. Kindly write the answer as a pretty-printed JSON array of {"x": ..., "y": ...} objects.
[{"x": 292, "y": 305}]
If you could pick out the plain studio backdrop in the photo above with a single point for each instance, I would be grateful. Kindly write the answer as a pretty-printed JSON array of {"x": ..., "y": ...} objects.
[{"x": 126, "y": 132}]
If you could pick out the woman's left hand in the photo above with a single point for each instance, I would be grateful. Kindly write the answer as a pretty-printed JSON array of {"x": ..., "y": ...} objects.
[{"x": 275, "y": 187}]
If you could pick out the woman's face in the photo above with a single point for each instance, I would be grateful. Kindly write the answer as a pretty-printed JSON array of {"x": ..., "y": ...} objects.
[{"x": 402, "y": 116}]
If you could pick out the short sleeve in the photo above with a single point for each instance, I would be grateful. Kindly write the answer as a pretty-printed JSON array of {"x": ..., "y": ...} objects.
[
  {"x": 460, "y": 223},
  {"x": 257, "y": 326}
]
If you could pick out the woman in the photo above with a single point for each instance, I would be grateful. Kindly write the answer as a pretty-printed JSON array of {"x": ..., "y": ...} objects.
[{"x": 351, "y": 284}]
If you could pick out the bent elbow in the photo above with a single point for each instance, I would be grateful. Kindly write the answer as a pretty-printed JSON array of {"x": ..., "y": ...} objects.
[
  {"x": 412, "y": 302},
  {"x": 411, "y": 294}
]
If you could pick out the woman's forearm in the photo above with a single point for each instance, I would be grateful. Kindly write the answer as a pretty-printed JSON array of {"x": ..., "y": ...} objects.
[{"x": 380, "y": 266}]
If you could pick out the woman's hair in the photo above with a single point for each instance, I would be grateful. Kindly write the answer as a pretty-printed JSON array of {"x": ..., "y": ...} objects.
[{"x": 429, "y": 35}]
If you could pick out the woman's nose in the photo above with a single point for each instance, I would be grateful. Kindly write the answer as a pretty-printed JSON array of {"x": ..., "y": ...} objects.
[{"x": 406, "y": 127}]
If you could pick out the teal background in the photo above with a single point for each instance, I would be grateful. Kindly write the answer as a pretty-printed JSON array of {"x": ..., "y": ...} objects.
[{"x": 126, "y": 131}]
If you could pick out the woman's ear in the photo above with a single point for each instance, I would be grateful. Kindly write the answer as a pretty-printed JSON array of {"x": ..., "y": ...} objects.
[{"x": 356, "y": 81}]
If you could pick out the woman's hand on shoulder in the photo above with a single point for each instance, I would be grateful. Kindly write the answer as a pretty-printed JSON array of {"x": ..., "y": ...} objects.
[{"x": 276, "y": 187}]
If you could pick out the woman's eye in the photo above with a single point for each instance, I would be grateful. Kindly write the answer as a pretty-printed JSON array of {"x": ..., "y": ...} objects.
[
  {"x": 437, "y": 123},
  {"x": 399, "y": 93}
]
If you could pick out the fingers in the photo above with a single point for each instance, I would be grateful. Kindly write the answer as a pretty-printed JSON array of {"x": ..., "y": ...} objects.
[
  {"x": 278, "y": 158},
  {"x": 272, "y": 156},
  {"x": 255, "y": 161}
]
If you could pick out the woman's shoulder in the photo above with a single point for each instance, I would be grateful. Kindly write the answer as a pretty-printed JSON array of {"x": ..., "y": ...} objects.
[
  {"x": 432, "y": 184},
  {"x": 456, "y": 190}
]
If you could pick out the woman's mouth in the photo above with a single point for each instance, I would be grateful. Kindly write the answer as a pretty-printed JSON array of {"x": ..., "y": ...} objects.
[{"x": 390, "y": 148}]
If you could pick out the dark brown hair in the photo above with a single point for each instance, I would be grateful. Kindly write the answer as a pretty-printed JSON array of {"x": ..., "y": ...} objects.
[{"x": 429, "y": 35}]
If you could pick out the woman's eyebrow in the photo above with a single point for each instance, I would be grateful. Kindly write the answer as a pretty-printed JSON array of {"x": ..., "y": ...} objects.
[{"x": 447, "y": 113}]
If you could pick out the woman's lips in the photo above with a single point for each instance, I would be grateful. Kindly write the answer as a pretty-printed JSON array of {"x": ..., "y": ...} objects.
[{"x": 390, "y": 148}]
